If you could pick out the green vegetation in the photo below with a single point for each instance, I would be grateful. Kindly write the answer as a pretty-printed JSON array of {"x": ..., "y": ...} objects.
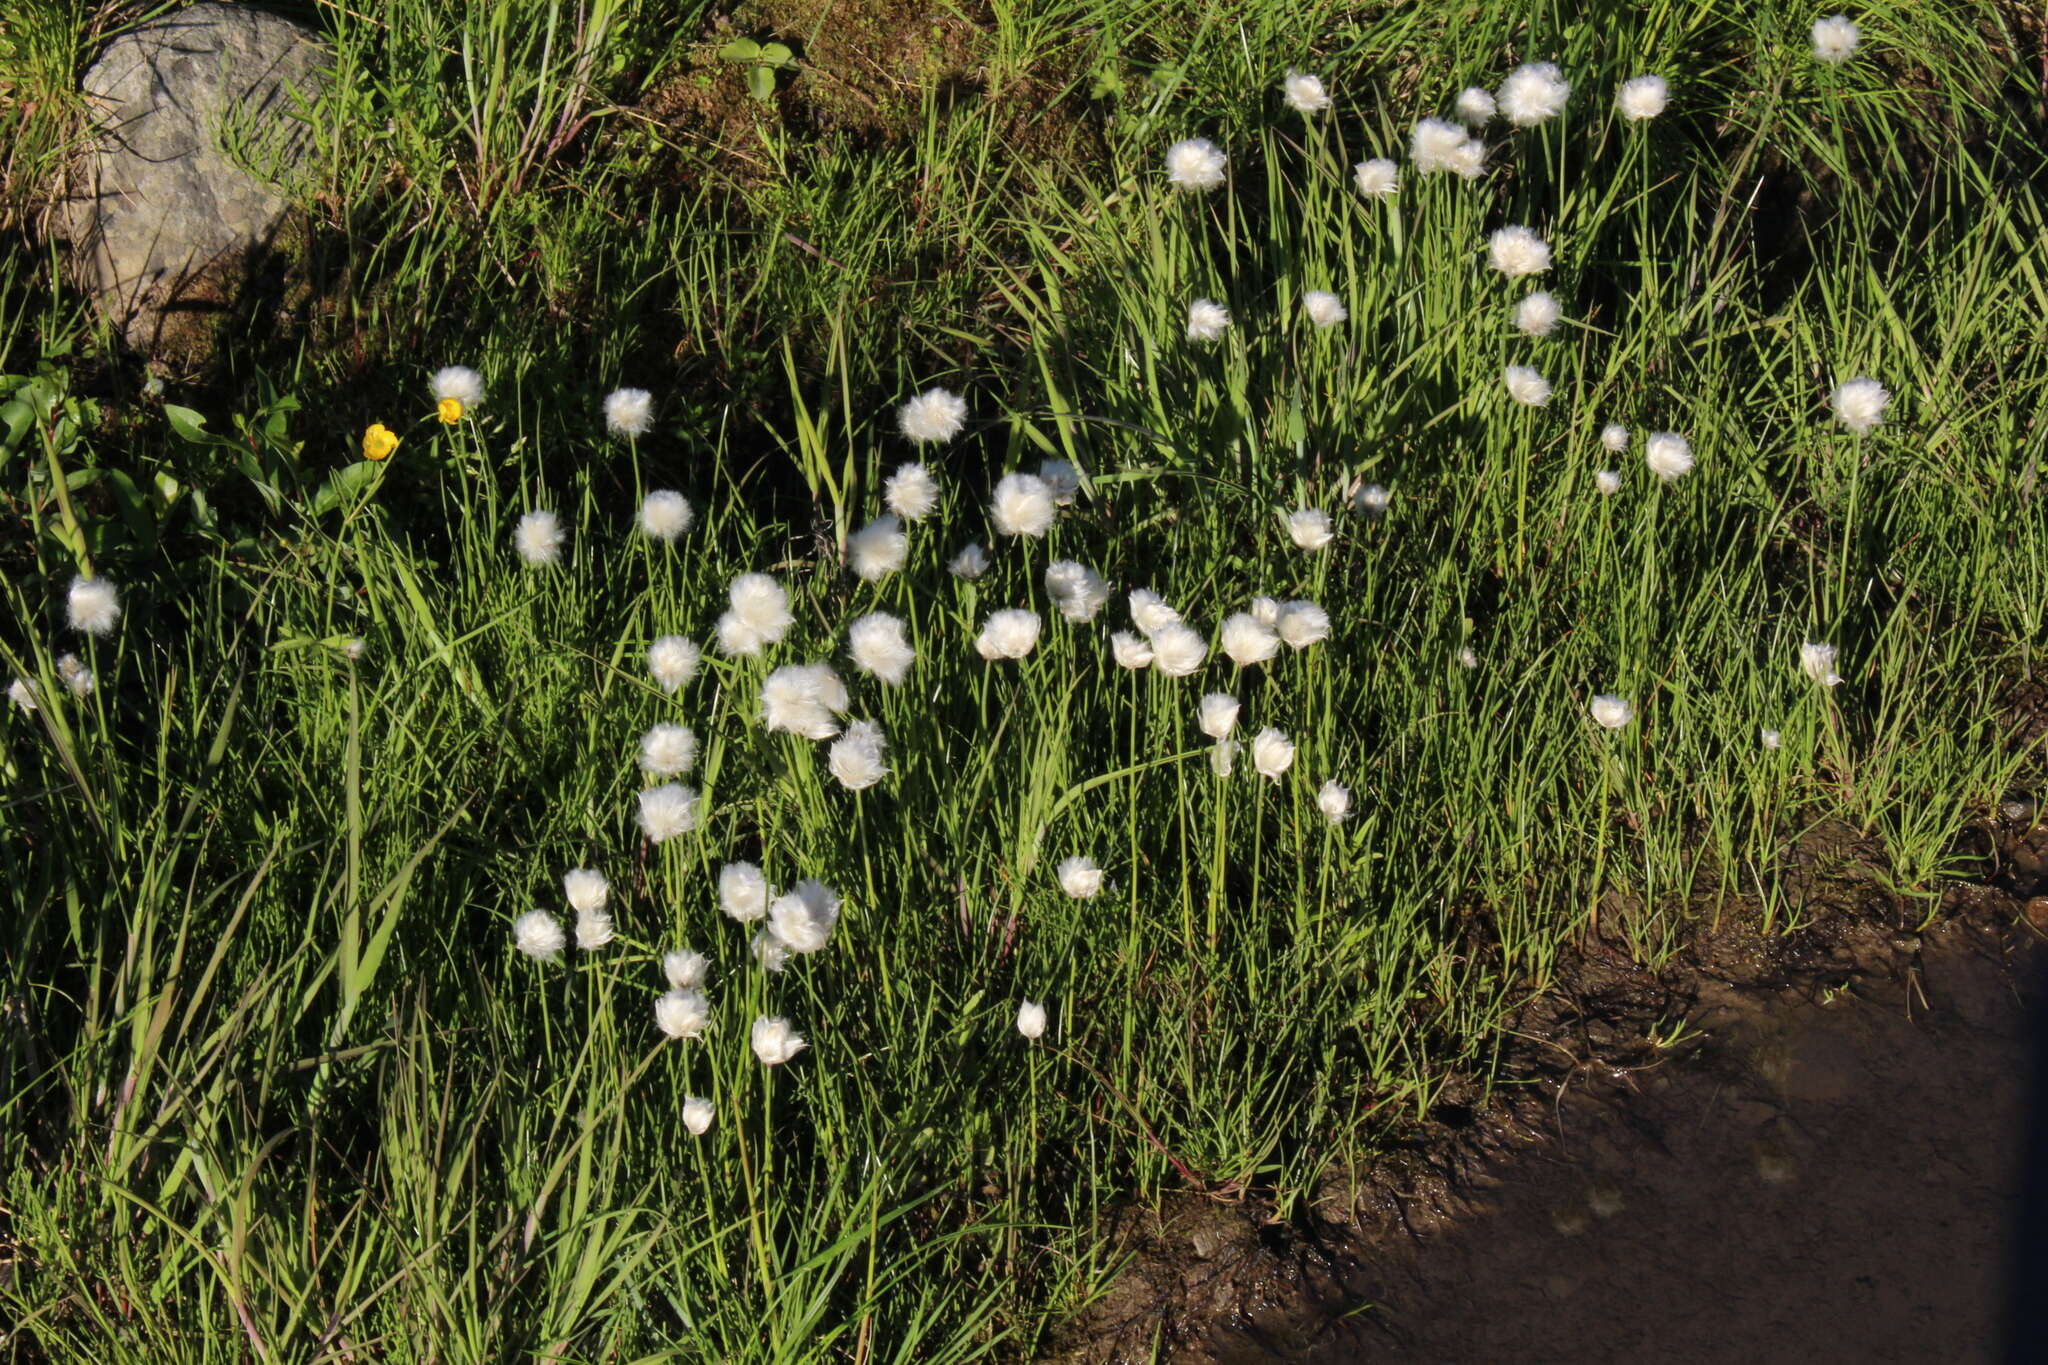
[{"x": 275, "y": 1082}]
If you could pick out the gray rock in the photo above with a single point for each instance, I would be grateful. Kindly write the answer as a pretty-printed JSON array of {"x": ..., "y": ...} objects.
[{"x": 198, "y": 123}]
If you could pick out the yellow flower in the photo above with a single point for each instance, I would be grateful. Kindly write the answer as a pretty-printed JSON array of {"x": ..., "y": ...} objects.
[
  {"x": 378, "y": 442},
  {"x": 450, "y": 410}
]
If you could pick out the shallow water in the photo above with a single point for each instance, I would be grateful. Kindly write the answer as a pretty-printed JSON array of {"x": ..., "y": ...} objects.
[{"x": 1819, "y": 1182}]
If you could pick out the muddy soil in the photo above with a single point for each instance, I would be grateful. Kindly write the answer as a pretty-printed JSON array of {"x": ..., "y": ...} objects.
[{"x": 1826, "y": 1175}]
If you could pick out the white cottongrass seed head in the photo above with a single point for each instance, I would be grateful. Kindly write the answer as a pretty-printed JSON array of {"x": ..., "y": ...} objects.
[
  {"x": 1516, "y": 251},
  {"x": 1031, "y": 1020},
  {"x": 759, "y": 616},
  {"x": 1439, "y": 145},
  {"x": 1475, "y": 106},
  {"x": 1309, "y": 528},
  {"x": 1860, "y": 403},
  {"x": 1468, "y": 657},
  {"x": 459, "y": 382},
  {"x": 666, "y": 514},
  {"x": 743, "y": 893},
  {"x": 1304, "y": 93},
  {"x": 803, "y": 699},
  {"x": 668, "y": 750},
  {"x": 1668, "y": 455},
  {"x": 1817, "y": 661},
  {"x": 93, "y": 606},
  {"x": 1196, "y": 164},
  {"x": 1149, "y": 611},
  {"x": 1533, "y": 93},
  {"x": 768, "y": 950},
  {"x": 1769, "y": 738},
  {"x": 1062, "y": 480},
  {"x": 1207, "y": 320},
  {"x": 684, "y": 970},
  {"x": 673, "y": 660},
  {"x": 774, "y": 1041},
  {"x": 1077, "y": 590},
  {"x": 538, "y": 935},
  {"x": 76, "y": 677},
  {"x": 1611, "y": 712},
  {"x": 593, "y": 930},
  {"x": 880, "y": 648},
  {"x": 1130, "y": 651},
  {"x": 1080, "y": 877},
  {"x": 912, "y": 492},
  {"x": 859, "y": 758},
  {"x": 629, "y": 413},
  {"x": 1324, "y": 309},
  {"x": 1266, "y": 610},
  {"x": 22, "y": 693},
  {"x": 586, "y": 889},
  {"x": 1376, "y": 178},
  {"x": 1835, "y": 39},
  {"x": 1022, "y": 505},
  {"x": 1301, "y": 624},
  {"x": 1223, "y": 757},
  {"x": 1607, "y": 481},
  {"x": 1178, "y": 651},
  {"x": 1333, "y": 799},
  {"x": 1526, "y": 384},
  {"x": 970, "y": 564},
  {"x": 803, "y": 919},
  {"x": 1218, "y": 715},
  {"x": 878, "y": 549},
  {"x": 1247, "y": 640},
  {"x": 1272, "y": 753},
  {"x": 667, "y": 810},
  {"x": 697, "y": 1115},
  {"x": 936, "y": 415},
  {"x": 1373, "y": 499},
  {"x": 1642, "y": 97},
  {"x": 1614, "y": 438},
  {"x": 538, "y": 538},
  {"x": 1010, "y": 633},
  {"x": 1538, "y": 314}
]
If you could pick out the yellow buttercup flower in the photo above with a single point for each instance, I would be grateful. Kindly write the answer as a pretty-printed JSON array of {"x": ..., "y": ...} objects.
[
  {"x": 450, "y": 410},
  {"x": 379, "y": 441}
]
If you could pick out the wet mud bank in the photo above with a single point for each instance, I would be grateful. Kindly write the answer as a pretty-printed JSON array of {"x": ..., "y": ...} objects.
[{"x": 1817, "y": 1154}]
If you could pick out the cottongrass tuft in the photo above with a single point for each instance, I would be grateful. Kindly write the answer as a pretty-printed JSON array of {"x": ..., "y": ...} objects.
[
  {"x": 768, "y": 950},
  {"x": 1130, "y": 651},
  {"x": 1614, "y": 438},
  {"x": 1527, "y": 385},
  {"x": 1272, "y": 753},
  {"x": 1304, "y": 93},
  {"x": 1022, "y": 505},
  {"x": 1178, "y": 651},
  {"x": 1376, "y": 178},
  {"x": 22, "y": 693},
  {"x": 536, "y": 934},
  {"x": 803, "y": 919},
  {"x": 697, "y": 1115},
  {"x": 1324, "y": 309},
  {"x": 970, "y": 564},
  {"x": 1301, "y": 624},
  {"x": 912, "y": 492},
  {"x": 1607, "y": 481},
  {"x": 1062, "y": 481},
  {"x": 1077, "y": 590},
  {"x": 1468, "y": 658},
  {"x": 684, "y": 970},
  {"x": 1516, "y": 251},
  {"x": 668, "y": 750},
  {"x": 458, "y": 382},
  {"x": 1611, "y": 712},
  {"x": 1196, "y": 164},
  {"x": 1373, "y": 499},
  {"x": 593, "y": 930},
  {"x": 538, "y": 538},
  {"x": 667, "y": 810},
  {"x": 586, "y": 890},
  {"x": 1475, "y": 106},
  {"x": 1333, "y": 799},
  {"x": 880, "y": 648},
  {"x": 743, "y": 893},
  {"x": 803, "y": 699},
  {"x": 1668, "y": 455},
  {"x": 77, "y": 678},
  {"x": 1438, "y": 145},
  {"x": 774, "y": 1041},
  {"x": 934, "y": 416},
  {"x": 1538, "y": 315},
  {"x": 1860, "y": 403},
  {"x": 1218, "y": 715},
  {"x": 1642, "y": 97},
  {"x": 673, "y": 660},
  {"x": 666, "y": 514},
  {"x": 1079, "y": 877},
  {"x": 629, "y": 413},
  {"x": 1247, "y": 640},
  {"x": 1770, "y": 739},
  {"x": 1223, "y": 757},
  {"x": 1010, "y": 633},
  {"x": 858, "y": 758},
  {"x": 1817, "y": 661},
  {"x": 1207, "y": 320},
  {"x": 92, "y": 606},
  {"x": 1031, "y": 1020},
  {"x": 878, "y": 549},
  {"x": 1835, "y": 39},
  {"x": 1533, "y": 93},
  {"x": 1149, "y": 611},
  {"x": 682, "y": 1014},
  {"x": 759, "y": 616},
  {"x": 1309, "y": 528}
]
